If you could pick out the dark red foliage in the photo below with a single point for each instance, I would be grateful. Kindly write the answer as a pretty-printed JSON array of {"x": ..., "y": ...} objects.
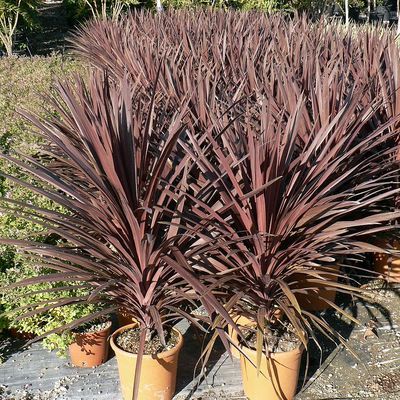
[{"x": 220, "y": 156}]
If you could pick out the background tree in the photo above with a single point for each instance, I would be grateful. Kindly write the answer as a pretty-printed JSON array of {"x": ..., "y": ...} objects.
[
  {"x": 14, "y": 13},
  {"x": 9, "y": 17}
]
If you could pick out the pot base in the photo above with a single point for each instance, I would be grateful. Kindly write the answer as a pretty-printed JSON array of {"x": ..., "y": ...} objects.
[{"x": 278, "y": 375}]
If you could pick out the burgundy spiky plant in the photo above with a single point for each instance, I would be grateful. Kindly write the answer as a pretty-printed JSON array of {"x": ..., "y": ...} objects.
[
  {"x": 328, "y": 99},
  {"x": 110, "y": 162},
  {"x": 283, "y": 165},
  {"x": 293, "y": 204},
  {"x": 245, "y": 63}
]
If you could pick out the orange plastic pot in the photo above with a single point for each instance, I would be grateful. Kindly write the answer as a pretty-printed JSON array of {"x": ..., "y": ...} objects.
[
  {"x": 90, "y": 349},
  {"x": 125, "y": 318},
  {"x": 315, "y": 298},
  {"x": 158, "y": 373},
  {"x": 240, "y": 321},
  {"x": 388, "y": 267},
  {"x": 278, "y": 376}
]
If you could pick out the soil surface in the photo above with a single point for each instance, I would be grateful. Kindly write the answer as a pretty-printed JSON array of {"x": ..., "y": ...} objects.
[
  {"x": 129, "y": 341},
  {"x": 279, "y": 339},
  {"x": 93, "y": 327}
]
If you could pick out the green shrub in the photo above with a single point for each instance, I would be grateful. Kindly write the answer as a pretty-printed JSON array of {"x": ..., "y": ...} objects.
[
  {"x": 59, "y": 342},
  {"x": 267, "y": 5},
  {"x": 12, "y": 301},
  {"x": 191, "y": 3},
  {"x": 22, "y": 83},
  {"x": 79, "y": 10},
  {"x": 27, "y": 9}
]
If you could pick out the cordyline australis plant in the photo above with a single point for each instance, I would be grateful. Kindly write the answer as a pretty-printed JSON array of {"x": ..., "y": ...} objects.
[
  {"x": 266, "y": 59},
  {"x": 253, "y": 63},
  {"x": 302, "y": 170},
  {"x": 245, "y": 63},
  {"x": 295, "y": 205},
  {"x": 264, "y": 41},
  {"x": 110, "y": 163}
]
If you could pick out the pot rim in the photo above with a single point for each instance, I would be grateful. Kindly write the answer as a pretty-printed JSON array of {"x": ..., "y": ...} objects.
[
  {"x": 93, "y": 333},
  {"x": 163, "y": 354},
  {"x": 298, "y": 349}
]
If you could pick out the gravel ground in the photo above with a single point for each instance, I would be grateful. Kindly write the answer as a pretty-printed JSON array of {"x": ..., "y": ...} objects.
[
  {"x": 60, "y": 389},
  {"x": 376, "y": 373}
]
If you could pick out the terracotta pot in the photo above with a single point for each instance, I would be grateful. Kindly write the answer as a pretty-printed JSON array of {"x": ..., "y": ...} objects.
[
  {"x": 278, "y": 377},
  {"x": 239, "y": 320},
  {"x": 388, "y": 267},
  {"x": 158, "y": 374},
  {"x": 125, "y": 318},
  {"x": 314, "y": 300},
  {"x": 90, "y": 349}
]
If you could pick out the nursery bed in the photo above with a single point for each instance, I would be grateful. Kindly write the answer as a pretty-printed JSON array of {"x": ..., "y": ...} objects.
[
  {"x": 376, "y": 375},
  {"x": 35, "y": 374}
]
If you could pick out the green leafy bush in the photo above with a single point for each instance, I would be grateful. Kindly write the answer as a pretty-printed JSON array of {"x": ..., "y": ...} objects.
[
  {"x": 28, "y": 10},
  {"x": 193, "y": 3},
  {"x": 59, "y": 342},
  {"x": 13, "y": 300},
  {"x": 79, "y": 10},
  {"x": 20, "y": 300},
  {"x": 21, "y": 81},
  {"x": 266, "y": 5}
]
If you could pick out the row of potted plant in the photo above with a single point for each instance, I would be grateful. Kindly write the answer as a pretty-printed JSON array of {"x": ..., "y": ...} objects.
[
  {"x": 206, "y": 175},
  {"x": 266, "y": 60}
]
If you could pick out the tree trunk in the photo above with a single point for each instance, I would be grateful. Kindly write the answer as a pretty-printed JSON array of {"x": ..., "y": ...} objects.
[
  {"x": 369, "y": 11},
  {"x": 8, "y": 28},
  {"x": 398, "y": 17},
  {"x": 346, "y": 9},
  {"x": 159, "y": 6}
]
